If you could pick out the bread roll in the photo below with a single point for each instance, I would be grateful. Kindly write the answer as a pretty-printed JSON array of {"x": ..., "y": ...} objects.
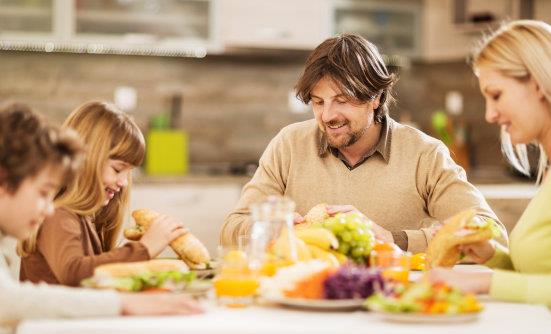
[
  {"x": 187, "y": 246},
  {"x": 317, "y": 214}
]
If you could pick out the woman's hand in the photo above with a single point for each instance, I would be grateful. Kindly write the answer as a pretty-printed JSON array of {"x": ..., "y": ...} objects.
[
  {"x": 161, "y": 232},
  {"x": 158, "y": 304},
  {"x": 480, "y": 252},
  {"x": 466, "y": 281},
  {"x": 380, "y": 232}
]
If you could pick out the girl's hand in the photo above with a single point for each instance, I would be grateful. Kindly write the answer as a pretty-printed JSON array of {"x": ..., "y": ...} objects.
[
  {"x": 480, "y": 252},
  {"x": 466, "y": 281},
  {"x": 158, "y": 304},
  {"x": 161, "y": 232}
]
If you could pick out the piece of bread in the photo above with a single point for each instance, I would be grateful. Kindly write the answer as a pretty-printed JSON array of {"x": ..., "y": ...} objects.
[
  {"x": 187, "y": 246},
  {"x": 133, "y": 233},
  {"x": 317, "y": 214},
  {"x": 443, "y": 250},
  {"x": 190, "y": 248}
]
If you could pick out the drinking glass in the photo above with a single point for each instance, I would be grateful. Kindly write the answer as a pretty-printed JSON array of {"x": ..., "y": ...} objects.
[
  {"x": 272, "y": 241},
  {"x": 236, "y": 283},
  {"x": 394, "y": 266}
]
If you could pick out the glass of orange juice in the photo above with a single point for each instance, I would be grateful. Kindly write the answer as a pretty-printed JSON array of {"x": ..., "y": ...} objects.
[
  {"x": 394, "y": 265},
  {"x": 236, "y": 283}
]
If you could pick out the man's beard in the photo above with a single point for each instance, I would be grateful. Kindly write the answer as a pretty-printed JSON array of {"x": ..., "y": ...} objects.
[{"x": 344, "y": 140}]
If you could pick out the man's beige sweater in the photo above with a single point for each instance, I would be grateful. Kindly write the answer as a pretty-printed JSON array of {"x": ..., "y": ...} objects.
[{"x": 417, "y": 184}]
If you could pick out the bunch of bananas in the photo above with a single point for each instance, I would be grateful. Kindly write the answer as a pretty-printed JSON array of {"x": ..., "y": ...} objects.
[
  {"x": 322, "y": 245},
  {"x": 314, "y": 243}
]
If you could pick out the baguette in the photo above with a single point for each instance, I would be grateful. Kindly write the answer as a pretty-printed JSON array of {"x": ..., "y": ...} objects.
[{"x": 188, "y": 247}]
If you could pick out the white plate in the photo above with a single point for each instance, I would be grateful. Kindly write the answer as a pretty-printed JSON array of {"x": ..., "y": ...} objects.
[
  {"x": 428, "y": 318},
  {"x": 197, "y": 288},
  {"x": 319, "y": 304}
]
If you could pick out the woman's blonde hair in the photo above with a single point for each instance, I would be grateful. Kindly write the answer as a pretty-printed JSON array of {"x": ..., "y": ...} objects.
[
  {"x": 521, "y": 50},
  {"x": 108, "y": 134}
]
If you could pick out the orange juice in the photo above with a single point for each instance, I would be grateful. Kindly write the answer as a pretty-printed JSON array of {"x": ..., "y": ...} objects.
[
  {"x": 396, "y": 274},
  {"x": 236, "y": 286},
  {"x": 236, "y": 290}
]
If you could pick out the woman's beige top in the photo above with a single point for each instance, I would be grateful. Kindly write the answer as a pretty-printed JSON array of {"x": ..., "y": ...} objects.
[{"x": 68, "y": 250}]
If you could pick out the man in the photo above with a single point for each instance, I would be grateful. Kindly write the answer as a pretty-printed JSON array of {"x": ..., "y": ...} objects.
[{"x": 355, "y": 157}]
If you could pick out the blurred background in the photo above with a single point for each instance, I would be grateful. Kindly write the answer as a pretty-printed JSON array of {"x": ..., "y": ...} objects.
[{"x": 210, "y": 82}]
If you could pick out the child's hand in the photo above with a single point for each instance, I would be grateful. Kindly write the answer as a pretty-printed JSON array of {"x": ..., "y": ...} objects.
[
  {"x": 161, "y": 232},
  {"x": 158, "y": 304}
]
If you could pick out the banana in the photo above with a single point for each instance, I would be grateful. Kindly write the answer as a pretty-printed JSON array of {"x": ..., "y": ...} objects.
[
  {"x": 282, "y": 248},
  {"x": 318, "y": 236},
  {"x": 341, "y": 257},
  {"x": 323, "y": 255}
]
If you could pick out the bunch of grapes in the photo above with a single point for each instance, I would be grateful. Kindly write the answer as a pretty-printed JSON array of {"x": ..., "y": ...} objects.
[{"x": 356, "y": 240}]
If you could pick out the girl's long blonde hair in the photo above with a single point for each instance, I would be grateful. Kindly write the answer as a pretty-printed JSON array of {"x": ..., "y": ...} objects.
[
  {"x": 520, "y": 50},
  {"x": 108, "y": 134}
]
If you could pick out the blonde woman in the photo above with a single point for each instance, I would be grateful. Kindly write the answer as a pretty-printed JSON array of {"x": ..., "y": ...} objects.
[
  {"x": 35, "y": 160},
  {"x": 514, "y": 72},
  {"x": 82, "y": 234}
]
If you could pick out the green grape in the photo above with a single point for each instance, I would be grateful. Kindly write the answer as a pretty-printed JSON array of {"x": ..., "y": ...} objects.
[
  {"x": 354, "y": 233},
  {"x": 338, "y": 228},
  {"x": 346, "y": 236},
  {"x": 357, "y": 252},
  {"x": 351, "y": 225},
  {"x": 343, "y": 248},
  {"x": 330, "y": 223}
]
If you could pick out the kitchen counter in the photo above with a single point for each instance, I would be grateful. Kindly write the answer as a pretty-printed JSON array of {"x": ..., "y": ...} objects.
[
  {"x": 192, "y": 179},
  {"x": 508, "y": 191}
]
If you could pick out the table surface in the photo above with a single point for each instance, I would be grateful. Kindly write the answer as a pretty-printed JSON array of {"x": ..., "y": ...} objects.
[{"x": 497, "y": 317}]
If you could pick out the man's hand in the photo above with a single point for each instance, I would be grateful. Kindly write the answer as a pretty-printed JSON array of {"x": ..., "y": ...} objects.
[
  {"x": 380, "y": 232},
  {"x": 297, "y": 218}
]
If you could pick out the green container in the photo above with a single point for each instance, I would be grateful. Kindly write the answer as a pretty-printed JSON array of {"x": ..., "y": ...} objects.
[{"x": 167, "y": 152}]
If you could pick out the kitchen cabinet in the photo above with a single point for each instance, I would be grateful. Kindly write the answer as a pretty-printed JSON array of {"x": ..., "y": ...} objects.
[
  {"x": 27, "y": 16},
  {"x": 283, "y": 24},
  {"x": 449, "y": 30},
  {"x": 394, "y": 26},
  {"x": 143, "y": 27}
]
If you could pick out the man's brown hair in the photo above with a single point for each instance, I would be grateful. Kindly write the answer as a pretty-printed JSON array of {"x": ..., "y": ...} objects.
[
  {"x": 28, "y": 144},
  {"x": 356, "y": 67}
]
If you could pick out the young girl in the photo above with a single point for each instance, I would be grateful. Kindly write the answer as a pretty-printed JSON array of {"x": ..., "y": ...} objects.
[
  {"x": 35, "y": 160},
  {"x": 82, "y": 234},
  {"x": 515, "y": 78}
]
